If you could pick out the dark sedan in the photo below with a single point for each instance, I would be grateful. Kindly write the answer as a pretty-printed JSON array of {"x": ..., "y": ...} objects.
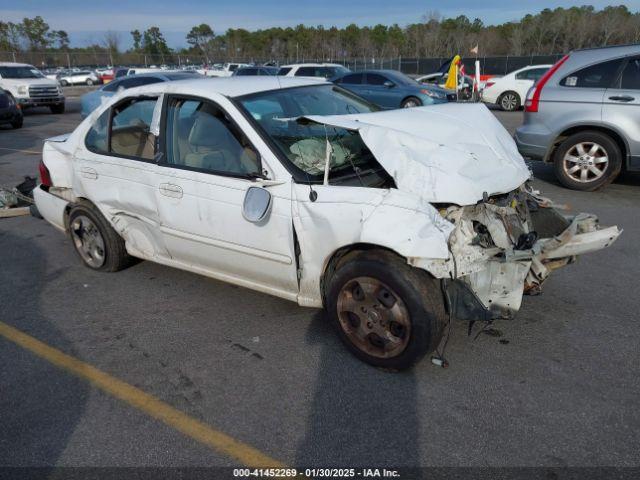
[
  {"x": 9, "y": 110},
  {"x": 252, "y": 71},
  {"x": 391, "y": 89}
]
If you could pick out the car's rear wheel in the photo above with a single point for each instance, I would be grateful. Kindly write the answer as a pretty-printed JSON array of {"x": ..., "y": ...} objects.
[
  {"x": 509, "y": 101},
  {"x": 587, "y": 161},
  {"x": 387, "y": 313},
  {"x": 57, "y": 109},
  {"x": 64, "y": 83},
  {"x": 97, "y": 244},
  {"x": 411, "y": 102},
  {"x": 89, "y": 82}
]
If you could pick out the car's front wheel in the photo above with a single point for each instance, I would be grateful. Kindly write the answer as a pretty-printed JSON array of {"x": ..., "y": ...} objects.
[
  {"x": 509, "y": 101},
  {"x": 587, "y": 161},
  {"x": 17, "y": 123},
  {"x": 89, "y": 82},
  {"x": 64, "y": 83},
  {"x": 411, "y": 102},
  {"x": 97, "y": 244},
  {"x": 387, "y": 313}
]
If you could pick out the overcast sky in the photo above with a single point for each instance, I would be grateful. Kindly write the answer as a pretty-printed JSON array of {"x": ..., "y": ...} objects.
[{"x": 87, "y": 20}]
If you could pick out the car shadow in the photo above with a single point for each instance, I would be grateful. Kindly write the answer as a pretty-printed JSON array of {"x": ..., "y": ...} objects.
[
  {"x": 361, "y": 415},
  {"x": 40, "y": 403}
]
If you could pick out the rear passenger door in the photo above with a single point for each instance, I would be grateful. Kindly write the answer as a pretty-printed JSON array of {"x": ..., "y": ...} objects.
[
  {"x": 621, "y": 107},
  {"x": 116, "y": 171},
  {"x": 526, "y": 79},
  {"x": 207, "y": 166},
  {"x": 577, "y": 98}
]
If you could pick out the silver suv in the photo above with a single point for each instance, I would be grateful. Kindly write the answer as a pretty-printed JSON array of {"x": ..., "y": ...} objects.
[{"x": 583, "y": 115}]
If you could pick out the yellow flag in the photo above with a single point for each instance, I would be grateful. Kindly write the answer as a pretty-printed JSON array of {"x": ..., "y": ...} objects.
[{"x": 452, "y": 79}]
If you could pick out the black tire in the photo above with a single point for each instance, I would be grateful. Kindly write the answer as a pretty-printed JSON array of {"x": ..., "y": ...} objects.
[
  {"x": 411, "y": 102},
  {"x": 114, "y": 251},
  {"x": 89, "y": 82},
  {"x": 57, "y": 109},
  {"x": 418, "y": 291},
  {"x": 17, "y": 123},
  {"x": 64, "y": 83},
  {"x": 509, "y": 101},
  {"x": 609, "y": 173}
]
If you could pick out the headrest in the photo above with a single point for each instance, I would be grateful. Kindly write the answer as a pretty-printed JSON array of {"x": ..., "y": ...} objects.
[{"x": 207, "y": 131}]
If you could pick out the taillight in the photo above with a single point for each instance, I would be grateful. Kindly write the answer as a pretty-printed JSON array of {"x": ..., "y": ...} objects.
[
  {"x": 533, "y": 98},
  {"x": 489, "y": 84},
  {"x": 45, "y": 176}
]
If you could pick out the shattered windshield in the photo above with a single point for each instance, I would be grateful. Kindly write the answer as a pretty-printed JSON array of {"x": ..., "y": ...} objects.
[
  {"x": 20, "y": 72},
  {"x": 307, "y": 144}
]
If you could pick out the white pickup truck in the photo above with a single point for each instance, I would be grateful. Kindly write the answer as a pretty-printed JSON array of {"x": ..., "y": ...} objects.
[{"x": 30, "y": 88}]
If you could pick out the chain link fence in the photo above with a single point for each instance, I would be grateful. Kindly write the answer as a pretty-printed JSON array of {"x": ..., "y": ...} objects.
[{"x": 498, "y": 65}]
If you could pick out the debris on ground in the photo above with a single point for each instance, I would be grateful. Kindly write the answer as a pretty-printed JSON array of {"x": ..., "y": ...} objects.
[{"x": 16, "y": 201}]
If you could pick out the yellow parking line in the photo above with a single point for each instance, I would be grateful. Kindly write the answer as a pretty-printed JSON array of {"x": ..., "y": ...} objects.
[
  {"x": 33, "y": 152},
  {"x": 219, "y": 441}
]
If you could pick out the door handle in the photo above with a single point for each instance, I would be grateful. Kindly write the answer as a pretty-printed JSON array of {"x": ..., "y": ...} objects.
[
  {"x": 170, "y": 190},
  {"x": 88, "y": 172},
  {"x": 622, "y": 98}
]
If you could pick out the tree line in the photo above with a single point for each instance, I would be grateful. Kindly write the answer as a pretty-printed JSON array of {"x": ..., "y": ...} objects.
[{"x": 551, "y": 31}]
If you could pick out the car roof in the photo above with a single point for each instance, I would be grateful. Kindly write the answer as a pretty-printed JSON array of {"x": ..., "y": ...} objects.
[
  {"x": 13, "y": 64},
  {"x": 230, "y": 86}
]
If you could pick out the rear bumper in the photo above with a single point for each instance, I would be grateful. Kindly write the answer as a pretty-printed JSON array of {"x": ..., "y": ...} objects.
[
  {"x": 533, "y": 141},
  {"x": 51, "y": 207}
]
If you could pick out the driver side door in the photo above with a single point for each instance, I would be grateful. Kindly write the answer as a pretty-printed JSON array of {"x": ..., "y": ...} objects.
[
  {"x": 381, "y": 94},
  {"x": 207, "y": 166}
]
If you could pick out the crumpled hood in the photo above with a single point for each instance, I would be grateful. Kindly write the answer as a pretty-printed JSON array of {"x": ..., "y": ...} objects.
[{"x": 450, "y": 153}]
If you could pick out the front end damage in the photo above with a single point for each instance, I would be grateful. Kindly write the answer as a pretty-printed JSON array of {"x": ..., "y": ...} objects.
[{"x": 506, "y": 246}]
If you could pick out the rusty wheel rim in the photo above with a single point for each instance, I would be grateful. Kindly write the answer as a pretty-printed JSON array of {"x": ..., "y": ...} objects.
[{"x": 374, "y": 317}]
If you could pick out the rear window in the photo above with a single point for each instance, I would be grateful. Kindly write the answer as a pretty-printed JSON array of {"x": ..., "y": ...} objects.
[
  {"x": 532, "y": 74},
  {"x": 600, "y": 75}
]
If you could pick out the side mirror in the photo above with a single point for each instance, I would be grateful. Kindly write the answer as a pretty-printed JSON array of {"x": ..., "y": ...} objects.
[
  {"x": 257, "y": 204},
  {"x": 389, "y": 84}
]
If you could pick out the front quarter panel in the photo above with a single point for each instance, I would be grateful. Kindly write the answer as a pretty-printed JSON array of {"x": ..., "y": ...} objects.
[{"x": 349, "y": 216}]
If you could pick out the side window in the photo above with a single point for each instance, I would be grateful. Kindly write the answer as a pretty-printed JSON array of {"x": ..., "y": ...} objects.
[
  {"x": 631, "y": 75},
  {"x": 128, "y": 133},
  {"x": 306, "y": 72},
  {"x": 284, "y": 70},
  {"x": 353, "y": 79},
  {"x": 97, "y": 140},
  {"x": 375, "y": 79},
  {"x": 200, "y": 136},
  {"x": 536, "y": 74},
  {"x": 600, "y": 75}
]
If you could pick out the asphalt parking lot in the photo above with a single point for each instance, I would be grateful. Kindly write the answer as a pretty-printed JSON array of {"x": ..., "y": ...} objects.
[{"x": 558, "y": 387}]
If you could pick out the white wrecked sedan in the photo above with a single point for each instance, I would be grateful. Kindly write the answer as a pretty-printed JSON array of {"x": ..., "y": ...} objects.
[{"x": 395, "y": 221}]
